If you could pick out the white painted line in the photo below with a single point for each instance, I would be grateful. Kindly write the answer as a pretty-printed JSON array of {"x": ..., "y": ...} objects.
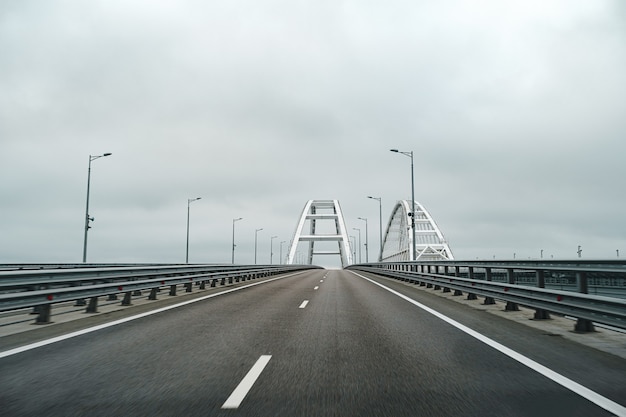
[
  {"x": 124, "y": 320},
  {"x": 321, "y": 280},
  {"x": 304, "y": 303},
  {"x": 594, "y": 397},
  {"x": 317, "y": 287},
  {"x": 246, "y": 383}
]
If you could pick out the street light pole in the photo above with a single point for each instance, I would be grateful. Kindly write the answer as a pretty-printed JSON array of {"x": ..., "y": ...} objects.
[
  {"x": 412, "y": 214},
  {"x": 189, "y": 201},
  {"x": 255, "y": 240},
  {"x": 233, "y": 254},
  {"x": 367, "y": 257},
  {"x": 87, "y": 218},
  {"x": 359, "y": 242},
  {"x": 272, "y": 248},
  {"x": 380, "y": 224}
]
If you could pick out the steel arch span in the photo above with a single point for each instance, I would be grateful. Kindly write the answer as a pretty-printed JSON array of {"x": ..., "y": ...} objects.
[
  {"x": 327, "y": 228},
  {"x": 430, "y": 245}
]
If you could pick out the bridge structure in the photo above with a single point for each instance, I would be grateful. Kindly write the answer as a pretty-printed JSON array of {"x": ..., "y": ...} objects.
[
  {"x": 430, "y": 244},
  {"x": 365, "y": 322},
  {"x": 321, "y": 224},
  {"x": 321, "y": 227}
]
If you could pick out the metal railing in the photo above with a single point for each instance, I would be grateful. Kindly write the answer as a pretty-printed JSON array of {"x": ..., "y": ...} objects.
[
  {"x": 590, "y": 291},
  {"x": 40, "y": 288}
]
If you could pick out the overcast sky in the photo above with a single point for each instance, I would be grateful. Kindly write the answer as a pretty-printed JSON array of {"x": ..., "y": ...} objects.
[{"x": 516, "y": 112}]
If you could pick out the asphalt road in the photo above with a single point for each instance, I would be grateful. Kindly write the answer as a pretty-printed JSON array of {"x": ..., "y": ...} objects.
[{"x": 325, "y": 343}]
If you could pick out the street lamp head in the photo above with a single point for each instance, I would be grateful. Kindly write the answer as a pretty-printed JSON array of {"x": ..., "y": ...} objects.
[
  {"x": 394, "y": 150},
  {"x": 107, "y": 154}
]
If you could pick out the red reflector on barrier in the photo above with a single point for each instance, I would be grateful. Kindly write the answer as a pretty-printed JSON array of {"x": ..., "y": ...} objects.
[
  {"x": 119, "y": 288},
  {"x": 559, "y": 298},
  {"x": 162, "y": 282},
  {"x": 50, "y": 297},
  {"x": 506, "y": 289}
]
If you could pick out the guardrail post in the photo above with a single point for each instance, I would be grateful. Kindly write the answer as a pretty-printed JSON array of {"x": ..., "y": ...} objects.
[
  {"x": 457, "y": 273},
  {"x": 92, "y": 307},
  {"x": 470, "y": 295},
  {"x": 203, "y": 285},
  {"x": 583, "y": 325},
  {"x": 188, "y": 286},
  {"x": 511, "y": 306},
  {"x": 153, "y": 294},
  {"x": 80, "y": 302},
  {"x": 172, "y": 290},
  {"x": 488, "y": 277},
  {"x": 540, "y": 313},
  {"x": 126, "y": 300},
  {"x": 44, "y": 314},
  {"x": 112, "y": 297}
]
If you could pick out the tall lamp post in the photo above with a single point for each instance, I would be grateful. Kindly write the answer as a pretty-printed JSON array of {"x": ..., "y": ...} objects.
[
  {"x": 380, "y": 223},
  {"x": 255, "y": 240},
  {"x": 367, "y": 257},
  {"x": 233, "y": 254},
  {"x": 189, "y": 201},
  {"x": 412, "y": 214},
  {"x": 87, "y": 218},
  {"x": 359, "y": 242},
  {"x": 272, "y": 248}
]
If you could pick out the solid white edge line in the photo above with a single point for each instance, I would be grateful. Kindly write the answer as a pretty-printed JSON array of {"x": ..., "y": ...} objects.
[
  {"x": 247, "y": 382},
  {"x": 24, "y": 348},
  {"x": 575, "y": 387},
  {"x": 304, "y": 303}
]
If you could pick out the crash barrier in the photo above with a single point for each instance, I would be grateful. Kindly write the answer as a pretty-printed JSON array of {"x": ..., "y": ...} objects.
[
  {"x": 590, "y": 291},
  {"x": 40, "y": 288}
]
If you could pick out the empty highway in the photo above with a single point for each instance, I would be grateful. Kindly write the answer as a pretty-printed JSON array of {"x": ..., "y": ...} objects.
[{"x": 315, "y": 343}]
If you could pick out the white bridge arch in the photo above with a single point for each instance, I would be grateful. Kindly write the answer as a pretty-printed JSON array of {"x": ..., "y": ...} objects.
[
  {"x": 326, "y": 229},
  {"x": 430, "y": 244}
]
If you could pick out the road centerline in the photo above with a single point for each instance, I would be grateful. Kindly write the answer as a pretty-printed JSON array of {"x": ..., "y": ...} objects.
[{"x": 238, "y": 395}]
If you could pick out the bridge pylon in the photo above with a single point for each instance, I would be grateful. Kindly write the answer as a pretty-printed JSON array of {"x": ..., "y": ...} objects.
[{"x": 325, "y": 224}]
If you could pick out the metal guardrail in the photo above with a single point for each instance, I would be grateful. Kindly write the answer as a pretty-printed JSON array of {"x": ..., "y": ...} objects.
[
  {"x": 560, "y": 287},
  {"x": 40, "y": 288}
]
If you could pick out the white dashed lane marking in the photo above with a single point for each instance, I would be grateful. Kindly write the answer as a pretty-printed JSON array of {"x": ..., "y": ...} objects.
[{"x": 246, "y": 383}]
